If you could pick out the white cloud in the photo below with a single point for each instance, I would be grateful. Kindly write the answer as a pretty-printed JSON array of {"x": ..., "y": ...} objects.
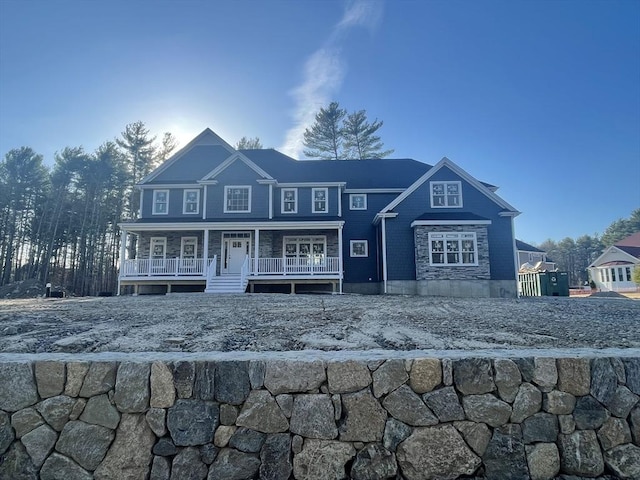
[{"x": 324, "y": 72}]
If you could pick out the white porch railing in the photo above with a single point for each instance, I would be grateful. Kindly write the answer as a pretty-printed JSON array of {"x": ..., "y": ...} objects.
[
  {"x": 296, "y": 266},
  {"x": 146, "y": 267},
  {"x": 142, "y": 267},
  {"x": 244, "y": 271}
]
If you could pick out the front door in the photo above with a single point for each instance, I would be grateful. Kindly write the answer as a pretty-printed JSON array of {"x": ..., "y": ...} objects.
[{"x": 235, "y": 250}]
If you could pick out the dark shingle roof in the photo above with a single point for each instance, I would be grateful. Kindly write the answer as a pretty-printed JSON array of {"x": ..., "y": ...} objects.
[
  {"x": 520, "y": 245},
  {"x": 375, "y": 173}
]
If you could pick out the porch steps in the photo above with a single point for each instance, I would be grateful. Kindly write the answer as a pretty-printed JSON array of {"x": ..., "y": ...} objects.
[{"x": 226, "y": 284}]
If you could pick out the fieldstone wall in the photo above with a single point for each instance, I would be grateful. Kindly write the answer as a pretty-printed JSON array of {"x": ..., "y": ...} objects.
[
  {"x": 426, "y": 271},
  {"x": 422, "y": 418}
]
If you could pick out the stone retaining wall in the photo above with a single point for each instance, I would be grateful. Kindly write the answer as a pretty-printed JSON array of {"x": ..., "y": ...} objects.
[{"x": 398, "y": 418}]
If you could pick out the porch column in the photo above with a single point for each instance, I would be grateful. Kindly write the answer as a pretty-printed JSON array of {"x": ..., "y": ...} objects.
[
  {"x": 256, "y": 249},
  {"x": 205, "y": 252},
  {"x": 123, "y": 250},
  {"x": 384, "y": 254},
  {"x": 340, "y": 255}
]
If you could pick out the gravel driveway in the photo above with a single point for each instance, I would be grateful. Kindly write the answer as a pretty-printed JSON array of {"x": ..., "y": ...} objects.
[{"x": 269, "y": 322}]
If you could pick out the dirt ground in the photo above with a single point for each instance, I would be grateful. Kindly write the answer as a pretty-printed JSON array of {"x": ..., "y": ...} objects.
[{"x": 270, "y": 322}]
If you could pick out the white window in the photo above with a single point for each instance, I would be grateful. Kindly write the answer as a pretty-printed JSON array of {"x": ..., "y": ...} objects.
[
  {"x": 312, "y": 248},
  {"x": 160, "y": 202},
  {"x": 289, "y": 200},
  {"x": 446, "y": 194},
  {"x": 237, "y": 199},
  {"x": 158, "y": 248},
  {"x": 189, "y": 247},
  {"x": 453, "y": 249},
  {"x": 191, "y": 201},
  {"x": 319, "y": 198},
  {"x": 359, "y": 248},
  {"x": 358, "y": 201}
]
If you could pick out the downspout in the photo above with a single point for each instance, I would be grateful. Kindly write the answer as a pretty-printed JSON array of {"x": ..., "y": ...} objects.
[
  {"x": 204, "y": 203},
  {"x": 384, "y": 253},
  {"x": 270, "y": 201},
  {"x": 515, "y": 255}
]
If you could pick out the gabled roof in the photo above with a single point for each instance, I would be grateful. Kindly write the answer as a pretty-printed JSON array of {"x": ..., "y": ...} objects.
[
  {"x": 630, "y": 245},
  {"x": 525, "y": 247},
  {"x": 445, "y": 162},
  {"x": 627, "y": 250},
  {"x": 207, "y": 145},
  {"x": 232, "y": 159}
]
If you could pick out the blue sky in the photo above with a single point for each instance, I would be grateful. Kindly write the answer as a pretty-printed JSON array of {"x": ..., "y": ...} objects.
[{"x": 541, "y": 98}]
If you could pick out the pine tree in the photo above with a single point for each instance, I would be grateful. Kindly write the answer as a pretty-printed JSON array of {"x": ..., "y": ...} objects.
[
  {"x": 249, "y": 144},
  {"x": 360, "y": 140},
  {"x": 324, "y": 139}
]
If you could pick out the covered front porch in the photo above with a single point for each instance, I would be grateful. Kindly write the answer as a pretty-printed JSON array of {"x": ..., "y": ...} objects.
[{"x": 229, "y": 258}]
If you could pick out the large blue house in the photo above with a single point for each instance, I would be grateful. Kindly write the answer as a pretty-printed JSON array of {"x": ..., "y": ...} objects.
[{"x": 216, "y": 219}]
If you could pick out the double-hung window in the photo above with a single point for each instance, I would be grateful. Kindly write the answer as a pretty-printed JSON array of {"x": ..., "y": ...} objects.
[
  {"x": 160, "y": 202},
  {"x": 289, "y": 200},
  {"x": 358, "y": 201},
  {"x": 320, "y": 201},
  {"x": 453, "y": 249},
  {"x": 191, "y": 201},
  {"x": 446, "y": 194},
  {"x": 237, "y": 199}
]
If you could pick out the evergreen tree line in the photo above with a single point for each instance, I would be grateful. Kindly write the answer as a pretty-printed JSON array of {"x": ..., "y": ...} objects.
[
  {"x": 574, "y": 256},
  {"x": 59, "y": 224}
]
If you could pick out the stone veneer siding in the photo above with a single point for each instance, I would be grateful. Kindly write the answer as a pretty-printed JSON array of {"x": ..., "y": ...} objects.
[
  {"x": 269, "y": 418},
  {"x": 426, "y": 271}
]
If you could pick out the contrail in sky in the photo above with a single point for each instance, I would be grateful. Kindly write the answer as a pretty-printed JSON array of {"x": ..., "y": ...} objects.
[{"x": 324, "y": 72}]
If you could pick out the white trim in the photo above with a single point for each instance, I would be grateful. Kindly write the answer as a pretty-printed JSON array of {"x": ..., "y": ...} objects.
[
  {"x": 184, "y": 201},
  {"x": 352, "y": 243},
  {"x": 442, "y": 237},
  {"x": 339, "y": 203},
  {"x": 445, "y": 162},
  {"x": 153, "y": 204},
  {"x": 380, "y": 216},
  {"x": 229, "y": 161},
  {"x": 183, "y": 241},
  {"x": 516, "y": 257},
  {"x": 340, "y": 255},
  {"x": 180, "y": 153},
  {"x": 617, "y": 250},
  {"x": 266, "y": 181},
  {"x": 352, "y": 196},
  {"x": 208, "y": 182},
  {"x": 311, "y": 184},
  {"x": 163, "y": 242},
  {"x": 141, "y": 201},
  {"x": 281, "y": 225},
  {"x": 204, "y": 202},
  {"x": 374, "y": 190},
  {"x": 295, "y": 201},
  {"x": 226, "y": 190},
  {"x": 326, "y": 200},
  {"x": 155, "y": 186},
  {"x": 384, "y": 253},
  {"x": 445, "y": 195},
  {"x": 270, "y": 201},
  {"x": 417, "y": 223}
]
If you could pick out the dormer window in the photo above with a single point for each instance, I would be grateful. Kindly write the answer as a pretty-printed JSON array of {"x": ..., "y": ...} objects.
[
  {"x": 160, "y": 202},
  {"x": 446, "y": 195},
  {"x": 237, "y": 199}
]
